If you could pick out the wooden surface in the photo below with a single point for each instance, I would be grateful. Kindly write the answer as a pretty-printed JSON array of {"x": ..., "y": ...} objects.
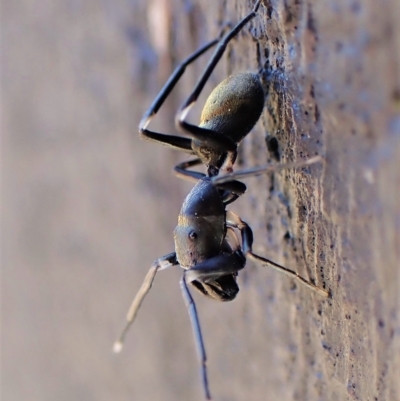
[{"x": 87, "y": 206}]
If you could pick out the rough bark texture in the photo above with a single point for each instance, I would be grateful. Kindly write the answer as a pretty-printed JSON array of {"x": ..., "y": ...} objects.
[{"x": 87, "y": 206}]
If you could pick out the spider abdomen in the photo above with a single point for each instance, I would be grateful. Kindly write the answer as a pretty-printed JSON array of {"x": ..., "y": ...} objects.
[{"x": 234, "y": 106}]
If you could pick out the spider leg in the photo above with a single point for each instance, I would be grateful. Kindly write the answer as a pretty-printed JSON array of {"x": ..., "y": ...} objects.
[
  {"x": 210, "y": 137},
  {"x": 172, "y": 141},
  {"x": 207, "y": 271},
  {"x": 233, "y": 189},
  {"x": 234, "y": 220},
  {"x": 194, "y": 318},
  {"x": 181, "y": 170},
  {"x": 161, "y": 263},
  {"x": 256, "y": 171},
  {"x": 219, "y": 51},
  {"x": 215, "y": 267}
]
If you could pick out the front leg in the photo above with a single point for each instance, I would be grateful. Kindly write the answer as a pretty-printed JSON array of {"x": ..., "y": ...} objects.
[
  {"x": 213, "y": 268},
  {"x": 232, "y": 190}
]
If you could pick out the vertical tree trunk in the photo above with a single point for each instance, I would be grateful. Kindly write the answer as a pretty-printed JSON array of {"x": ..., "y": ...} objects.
[{"x": 87, "y": 206}]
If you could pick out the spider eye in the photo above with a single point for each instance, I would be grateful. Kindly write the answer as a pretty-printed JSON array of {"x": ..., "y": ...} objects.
[{"x": 192, "y": 235}]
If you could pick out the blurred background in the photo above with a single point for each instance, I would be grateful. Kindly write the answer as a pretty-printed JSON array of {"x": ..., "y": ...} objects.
[{"x": 87, "y": 206}]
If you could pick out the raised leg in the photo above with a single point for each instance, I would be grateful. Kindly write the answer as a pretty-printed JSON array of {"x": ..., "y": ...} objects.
[
  {"x": 234, "y": 220},
  {"x": 160, "y": 264},
  {"x": 194, "y": 318}
]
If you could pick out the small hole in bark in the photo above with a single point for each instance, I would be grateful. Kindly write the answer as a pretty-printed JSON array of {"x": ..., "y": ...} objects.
[{"x": 273, "y": 147}]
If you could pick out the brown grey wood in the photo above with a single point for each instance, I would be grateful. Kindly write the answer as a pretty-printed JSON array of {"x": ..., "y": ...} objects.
[{"x": 82, "y": 217}]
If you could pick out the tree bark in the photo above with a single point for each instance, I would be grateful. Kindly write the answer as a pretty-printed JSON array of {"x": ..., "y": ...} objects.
[{"x": 87, "y": 205}]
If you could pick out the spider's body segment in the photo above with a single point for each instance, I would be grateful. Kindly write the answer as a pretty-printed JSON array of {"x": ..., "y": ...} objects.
[
  {"x": 231, "y": 110},
  {"x": 234, "y": 106},
  {"x": 200, "y": 237},
  {"x": 201, "y": 225}
]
